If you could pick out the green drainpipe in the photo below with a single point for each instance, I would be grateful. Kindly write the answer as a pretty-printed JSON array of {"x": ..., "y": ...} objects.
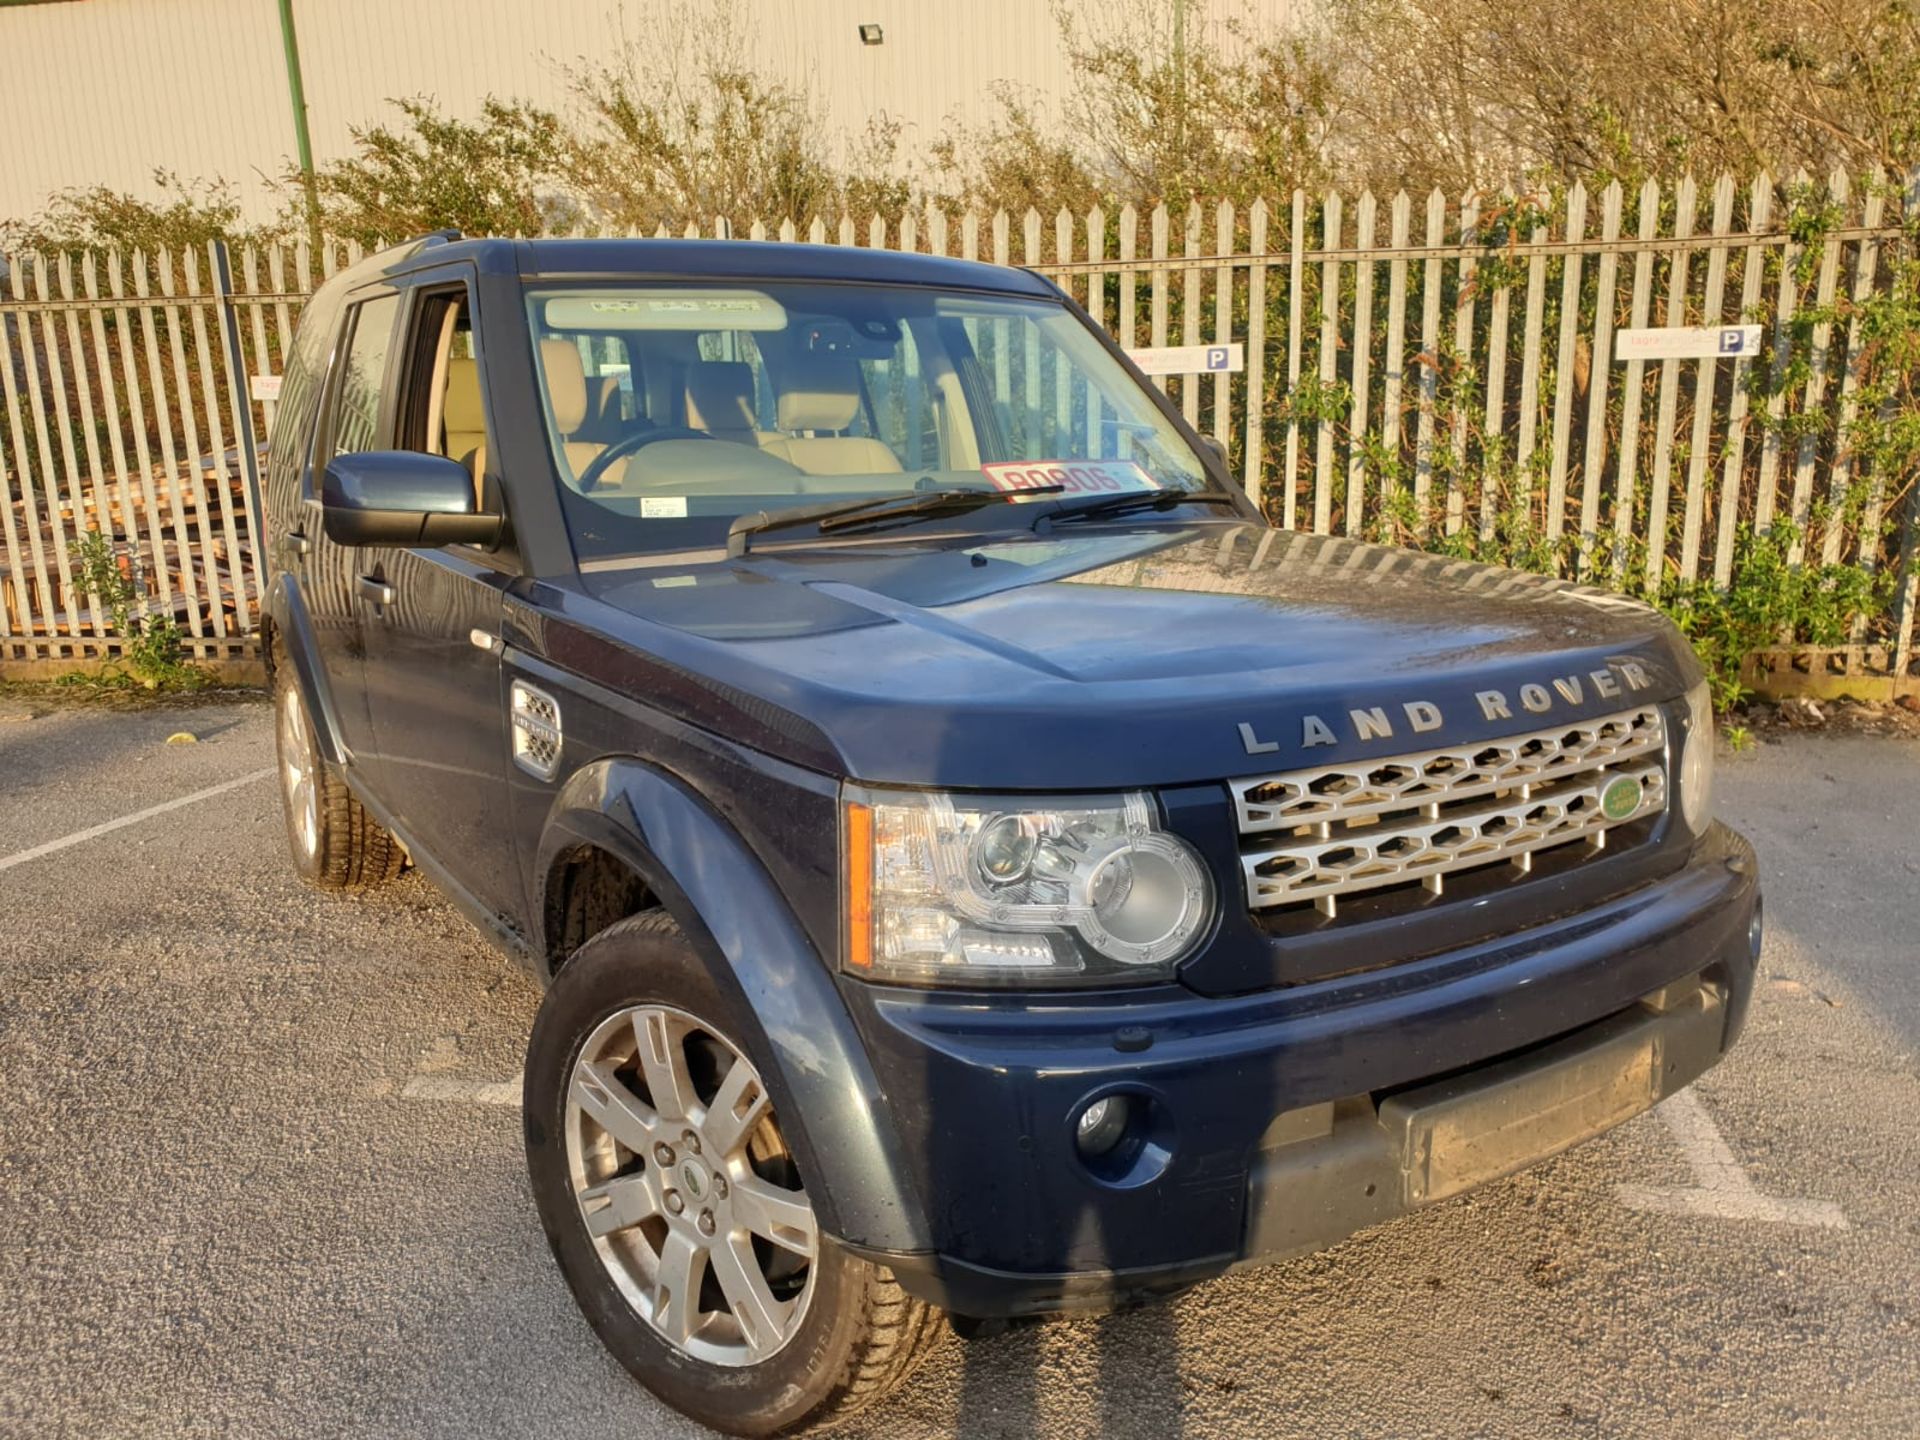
[{"x": 297, "y": 94}]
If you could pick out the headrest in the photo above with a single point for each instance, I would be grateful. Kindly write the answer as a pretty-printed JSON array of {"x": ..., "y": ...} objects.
[
  {"x": 820, "y": 391},
  {"x": 566, "y": 383},
  {"x": 461, "y": 410},
  {"x": 720, "y": 395}
]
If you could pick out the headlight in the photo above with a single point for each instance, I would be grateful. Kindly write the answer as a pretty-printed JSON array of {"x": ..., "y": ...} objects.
[
  {"x": 1696, "y": 761},
  {"x": 964, "y": 890}
]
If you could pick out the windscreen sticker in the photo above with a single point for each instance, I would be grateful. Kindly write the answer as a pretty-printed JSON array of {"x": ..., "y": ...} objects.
[
  {"x": 675, "y": 309},
  {"x": 663, "y": 507},
  {"x": 1074, "y": 477},
  {"x": 702, "y": 306}
]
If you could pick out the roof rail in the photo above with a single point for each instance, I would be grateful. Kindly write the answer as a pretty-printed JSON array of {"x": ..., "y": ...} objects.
[{"x": 441, "y": 237}]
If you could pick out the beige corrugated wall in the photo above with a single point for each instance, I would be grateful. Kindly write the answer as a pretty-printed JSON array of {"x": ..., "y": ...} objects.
[{"x": 104, "y": 92}]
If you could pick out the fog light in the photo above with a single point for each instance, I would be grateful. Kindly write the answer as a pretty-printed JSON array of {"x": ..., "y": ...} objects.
[{"x": 1101, "y": 1125}]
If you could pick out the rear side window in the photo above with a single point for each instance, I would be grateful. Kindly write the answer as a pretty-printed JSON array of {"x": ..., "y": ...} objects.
[
  {"x": 292, "y": 427},
  {"x": 363, "y": 379}
]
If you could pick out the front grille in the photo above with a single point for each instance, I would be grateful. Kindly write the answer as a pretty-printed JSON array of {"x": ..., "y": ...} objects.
[{"x": 1309, "y": 837}]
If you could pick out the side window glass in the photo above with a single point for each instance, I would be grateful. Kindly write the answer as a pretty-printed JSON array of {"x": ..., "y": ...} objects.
[
  {"x": 356, "y": 406},
  {"x": 292, "y": 431},
  {"x": 442, "y": 403},
  {"x": 443, "y": 413}
]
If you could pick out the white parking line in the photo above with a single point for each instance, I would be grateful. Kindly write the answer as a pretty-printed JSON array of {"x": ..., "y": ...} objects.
[
  {"x": 1721, "y": 1188},
  {"x": 469, "y": 1092},
  {"x": 94, "y": 832}
]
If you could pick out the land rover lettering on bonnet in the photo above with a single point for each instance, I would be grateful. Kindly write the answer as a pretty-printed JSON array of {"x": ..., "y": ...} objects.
[
  {"x": 978, "y": 867},
  {"x": 1377, "y": 722}
]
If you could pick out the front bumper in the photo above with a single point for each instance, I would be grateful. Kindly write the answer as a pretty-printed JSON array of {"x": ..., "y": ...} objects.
[{"x": 1284, "y": 1121}]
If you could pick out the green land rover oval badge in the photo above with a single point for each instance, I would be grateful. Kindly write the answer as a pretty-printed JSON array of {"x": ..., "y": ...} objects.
[{"x": 1621, "y": 798}]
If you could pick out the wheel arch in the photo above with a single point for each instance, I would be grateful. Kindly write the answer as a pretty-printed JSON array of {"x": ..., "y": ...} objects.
[
  {"x": 680, "y": 856},
  {"x": 584, "y": 888},
  {"x": 286, "y": 633}
]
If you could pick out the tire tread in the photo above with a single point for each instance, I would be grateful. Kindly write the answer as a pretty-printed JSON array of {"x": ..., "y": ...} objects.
[
  {"x": 900, "y": 1332},
  {"x": 355, "y": 851},
  {"x": 358, "y": 851}
]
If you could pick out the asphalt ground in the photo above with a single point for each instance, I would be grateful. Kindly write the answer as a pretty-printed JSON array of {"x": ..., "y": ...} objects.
[{"x": 254, "y": 1180}]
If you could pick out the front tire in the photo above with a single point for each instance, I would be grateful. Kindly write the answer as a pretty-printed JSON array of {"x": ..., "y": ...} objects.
[
  {"x": 675, "y": 1208},
  {"x": 336, "y": 844}
]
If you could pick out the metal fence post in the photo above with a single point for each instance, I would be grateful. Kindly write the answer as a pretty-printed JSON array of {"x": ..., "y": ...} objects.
[
  {"x": 240, "y": 399},
  {"x": 1906, "y": 595}
]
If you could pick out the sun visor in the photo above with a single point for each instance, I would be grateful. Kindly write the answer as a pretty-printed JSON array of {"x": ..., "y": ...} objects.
[{"x": 664, "y": 310}]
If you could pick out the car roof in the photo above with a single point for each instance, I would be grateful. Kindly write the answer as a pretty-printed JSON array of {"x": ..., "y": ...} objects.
[{"x": 703, "y": 259}]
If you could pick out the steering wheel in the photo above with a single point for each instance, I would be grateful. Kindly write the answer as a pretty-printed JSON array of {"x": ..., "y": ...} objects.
[{"x": 627, "y": 444}]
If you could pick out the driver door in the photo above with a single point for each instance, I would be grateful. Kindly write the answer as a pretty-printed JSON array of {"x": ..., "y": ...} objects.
[{"x": 432, "y": 623}]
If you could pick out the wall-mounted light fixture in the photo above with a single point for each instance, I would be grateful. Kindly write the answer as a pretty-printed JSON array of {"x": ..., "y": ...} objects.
[{"x": 871, "y": 35}]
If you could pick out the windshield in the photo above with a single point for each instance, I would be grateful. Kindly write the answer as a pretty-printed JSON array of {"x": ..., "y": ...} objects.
[{"x": 674, "y": 409}]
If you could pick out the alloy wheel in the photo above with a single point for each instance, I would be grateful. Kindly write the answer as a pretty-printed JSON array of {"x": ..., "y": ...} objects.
[{"x": 687, "y": 1187}]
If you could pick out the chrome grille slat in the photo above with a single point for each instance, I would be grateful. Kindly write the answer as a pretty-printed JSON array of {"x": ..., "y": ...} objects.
[
  {"x": 1344, "y": 792},
  {"x": 1346, "y": 829}
]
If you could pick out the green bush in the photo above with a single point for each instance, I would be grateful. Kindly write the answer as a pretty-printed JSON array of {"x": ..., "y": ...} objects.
[
  {"x": 188, "y": 214},
  {"x": 1771, "y": 600},
  {"x": 151, "y": 651},
  {"x": 501, "y": 174}
]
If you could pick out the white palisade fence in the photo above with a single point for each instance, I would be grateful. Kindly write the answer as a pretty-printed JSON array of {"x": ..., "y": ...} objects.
[{"x": 1431, "y": 372}]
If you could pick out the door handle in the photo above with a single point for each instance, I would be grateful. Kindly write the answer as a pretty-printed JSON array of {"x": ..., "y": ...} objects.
[{"x": 374, "y": 589}]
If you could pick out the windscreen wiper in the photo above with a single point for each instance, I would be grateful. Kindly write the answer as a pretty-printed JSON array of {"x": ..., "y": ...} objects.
[
  {"x": 868, "y": 514},
  {"x": 1109, "y": 506}
]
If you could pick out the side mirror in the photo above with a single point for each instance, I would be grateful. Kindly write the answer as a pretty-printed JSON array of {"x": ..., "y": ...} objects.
[
  {"x": 401, "y": 497},
  {"x": 1215, "y": 447}
]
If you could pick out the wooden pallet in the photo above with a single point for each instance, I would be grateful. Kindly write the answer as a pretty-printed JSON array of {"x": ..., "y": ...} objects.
[{"x": 1856, "y": 672}]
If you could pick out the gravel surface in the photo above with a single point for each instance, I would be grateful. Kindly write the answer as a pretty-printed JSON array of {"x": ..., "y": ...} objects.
[{"x": 224, "y": 1215}]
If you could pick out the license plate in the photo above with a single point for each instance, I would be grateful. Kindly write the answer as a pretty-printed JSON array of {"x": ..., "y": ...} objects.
[{"x": 1460, "y": 1134}]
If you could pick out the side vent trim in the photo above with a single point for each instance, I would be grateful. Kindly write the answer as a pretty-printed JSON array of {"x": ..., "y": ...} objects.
[{"x": 536, "y": 731}]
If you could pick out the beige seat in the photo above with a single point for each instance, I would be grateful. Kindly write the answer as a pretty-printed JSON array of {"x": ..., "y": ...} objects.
[
  {"x": 820, "y": 392},
  {"x": 667, "y": 466},
  {"x": 567, "y": 398},
  {"x": 720, "y": 401},
  {"x": 464, "y": 417},
  {"x": 604, "y": 423}
]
